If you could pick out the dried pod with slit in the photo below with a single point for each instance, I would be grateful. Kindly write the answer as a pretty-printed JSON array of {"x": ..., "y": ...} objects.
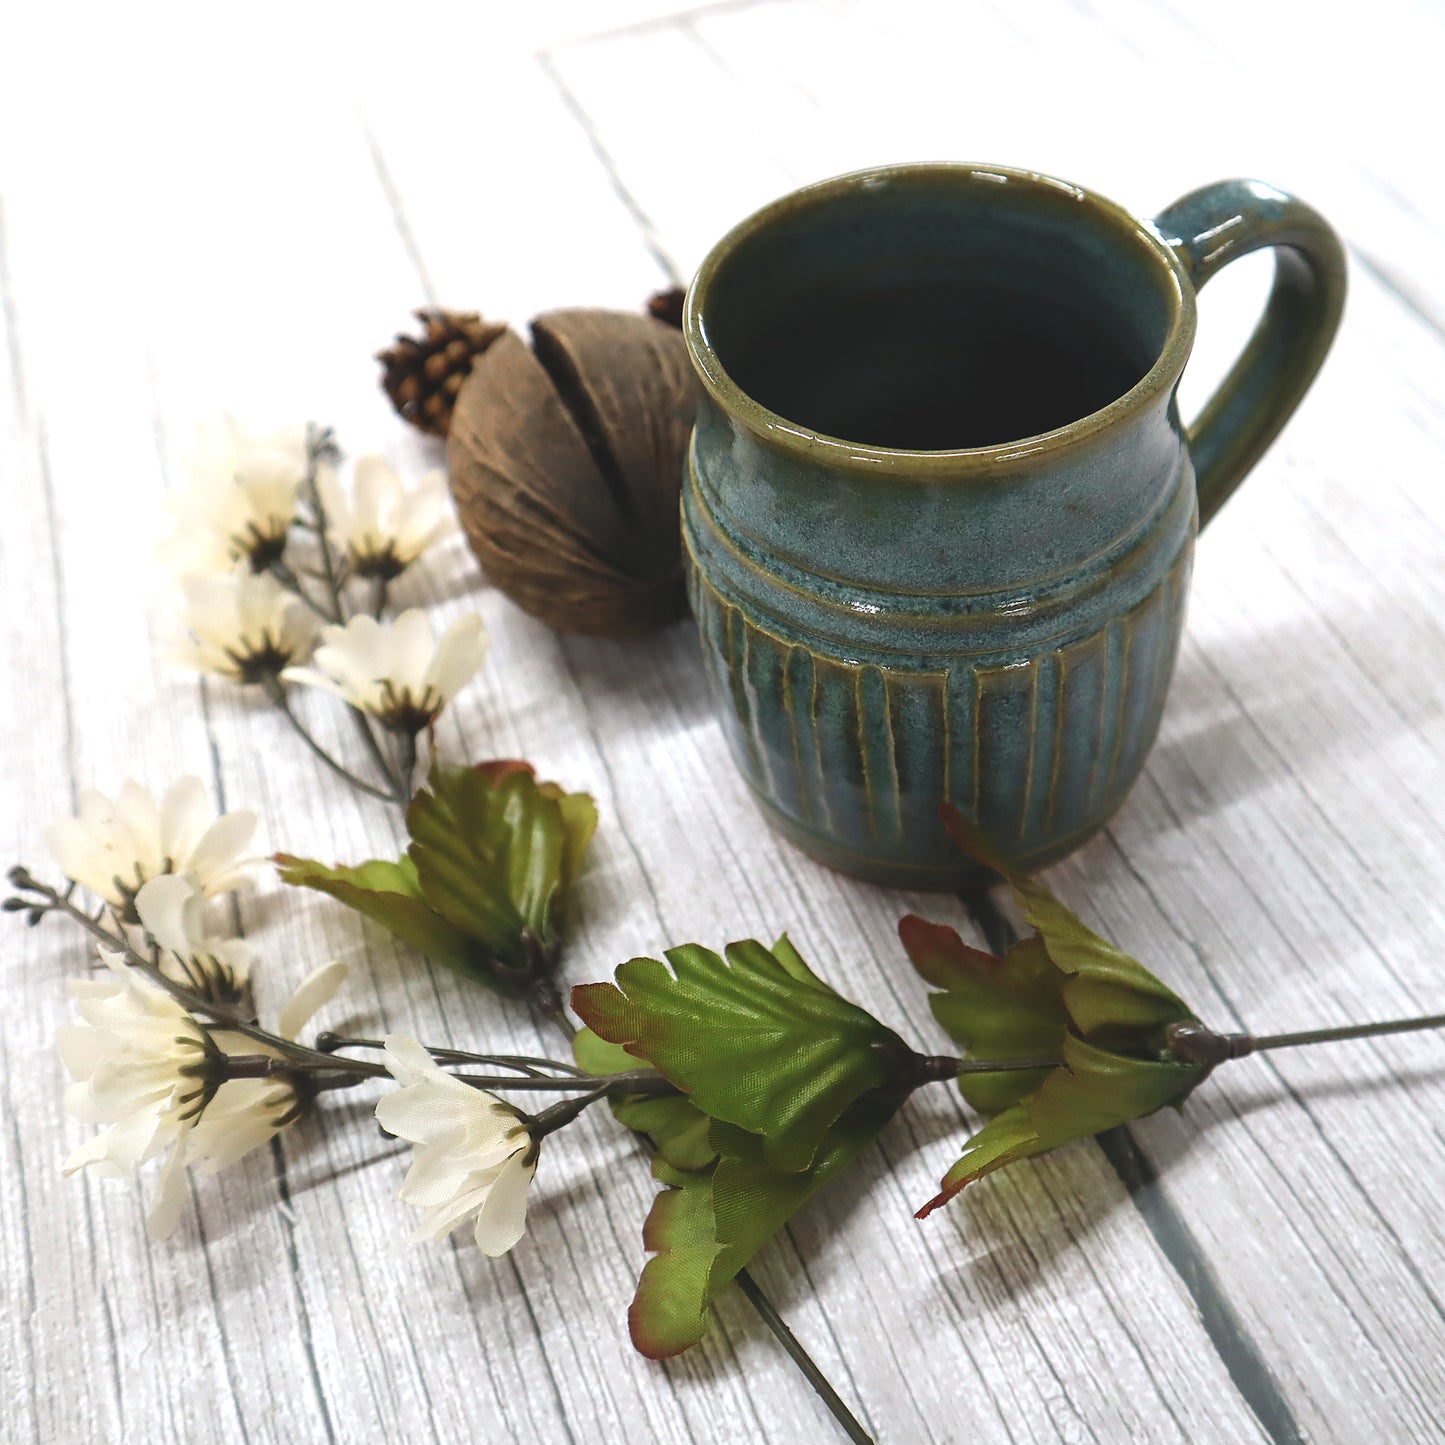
[{"x": 566, "y": 462}]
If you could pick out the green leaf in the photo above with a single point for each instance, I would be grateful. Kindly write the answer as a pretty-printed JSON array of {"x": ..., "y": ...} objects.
[
  {"x": 758, "y": 1040},
  {"x": 996, "y": 1008},
  {"x": 388, "y": 894},
  {"x": 481, "y": 886},
  {"x": 1063, "y": 993},
  {"x": 707, "y": 1224},
  {"x": 1110, "y": 994},
  {"x": 493, "y": 849},
  {"x": 676, "y": 1126},
  {"x": 1094, "y": 1090}
]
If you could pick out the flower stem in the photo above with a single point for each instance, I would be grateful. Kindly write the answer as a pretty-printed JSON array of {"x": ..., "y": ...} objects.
[
  {"x": 292, "y": 583},
  {"x": 1199, "y": 1044},
  {"x": 559, "y": 1115},
  {"x": 549, "y": 1003},
  {"x": 849, "y": 1422},
  {"x": 278, "y": 696},
  {"x": 1348, "y": 1031},
  {"x": 523, "y": 1063},
  {"x": 400, "y": 788},
  {"x": 318, "y": 445},
  {"x": 407, "y": 768},
  {"x": 218, "y": 1014}
]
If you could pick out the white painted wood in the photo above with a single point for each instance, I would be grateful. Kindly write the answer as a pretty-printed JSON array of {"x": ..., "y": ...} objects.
[{"x": 235, "y": 211}]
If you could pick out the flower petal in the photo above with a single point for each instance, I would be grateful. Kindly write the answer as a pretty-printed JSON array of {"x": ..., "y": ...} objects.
[
  {"x": 170, "y": 1198},
  {"x": 217, "y": 852},
  {"x": 316, "y": 990},
  {"x": 164, "y": 905},
  {"x": 503, "y": 1217},
  {"x": 459, "y": 655}
]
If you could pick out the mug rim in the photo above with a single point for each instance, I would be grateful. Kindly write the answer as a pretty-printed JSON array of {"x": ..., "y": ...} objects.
[{"x": 961, "y": 462}]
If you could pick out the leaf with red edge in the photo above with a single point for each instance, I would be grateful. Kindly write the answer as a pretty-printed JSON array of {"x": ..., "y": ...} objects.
[
  {"x": 1093, "y": 1091},
  {"x": 1062, "y": 993},
  {"x": 482, "y": 885},
  {"x": 388, "y": 894},
  {"x": 677, "y": 1127},
  {"x": 707, "y": 1224},
  {"x": 756, "y": 1040},
  {"x": 996, "y": 1008}
]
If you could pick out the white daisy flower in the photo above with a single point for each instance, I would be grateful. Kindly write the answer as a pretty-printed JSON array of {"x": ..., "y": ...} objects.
[
  {"x": 143, "y": 1068},
  {"x": 384, "y": 525},
  {"x": 172, "y": 909},
  {"x": 157, "y": 1079},
  {"x": 114, "y": 845},
  {"x": 474, "y": 1157},
  {"x": 394, "y": 670},
  {"x": 247, "y": 628},
  {"x": 246, "y": 1113},
  {"x": 241, "y": 502}
]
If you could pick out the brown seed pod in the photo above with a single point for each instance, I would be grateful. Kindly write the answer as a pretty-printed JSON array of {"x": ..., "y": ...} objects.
[{"x": 566, "y": 459}]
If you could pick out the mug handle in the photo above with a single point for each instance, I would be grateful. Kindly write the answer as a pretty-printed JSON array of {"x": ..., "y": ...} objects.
[{"x": 1209, "y": 228}]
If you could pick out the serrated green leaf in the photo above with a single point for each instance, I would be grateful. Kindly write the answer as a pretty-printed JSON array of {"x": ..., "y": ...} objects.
[
  {"x": 677, "y": 1128},
  {"x": 758, "y": 1040},
  {"x": 996, "y": 1008},
  {"x": 708, "y": 1224},
  {"x": 1064, "y": 993},
  {"x": 388, "y": 894},
  {"x": 1094, "y": 1090},
  {"x": 494, "y": 849},
  {"x": 579, "y": 823},
  {"x": 1110, "y": 994}
]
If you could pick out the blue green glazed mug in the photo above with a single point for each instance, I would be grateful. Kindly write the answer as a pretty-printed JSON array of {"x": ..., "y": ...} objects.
[{"x": 940, "y": 507}]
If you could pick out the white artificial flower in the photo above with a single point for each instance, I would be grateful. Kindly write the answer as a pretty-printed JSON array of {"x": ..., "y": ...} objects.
[
  {"x": 146, "y": 1069},
  {"x": 246, "y": 1113},
  {"x": 244, "y": 627},
  {"x": 143, "y": 1068},
  {"x": 172, "y": 909},
  {"x": 241, "y": 501},
  {"x": 393, "y": 670},
  {"x": 384, "y": 525},
  {"x": 114, "y": 845},
  {"x": 474, "y": 1157}
]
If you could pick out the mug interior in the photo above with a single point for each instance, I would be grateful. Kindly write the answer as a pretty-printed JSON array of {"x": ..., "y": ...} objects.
[{"x": 936, "y": 308}]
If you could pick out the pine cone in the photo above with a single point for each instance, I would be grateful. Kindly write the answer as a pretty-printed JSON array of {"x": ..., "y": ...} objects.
[
  {"x": 422, "y": 375},
  {"x": 666, "y": 306}
]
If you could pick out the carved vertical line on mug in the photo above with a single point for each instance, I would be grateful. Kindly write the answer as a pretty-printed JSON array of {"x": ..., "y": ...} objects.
[
  {"x": 1043, "y": 748},
  {"x": 1149, "y": 622},
  {"x": 735, "y": 641},
  {"x": 1005, "y": 745},
  {"x": 1079, "y": 739},
  {"x": 918, "y": 717},
  {"x": 877, "y": 744},
  {"x": 839, "y": 757},
  {"x": 960, "y": 696},
  {"x": 1056, "y": 761},
  {"x": 765, "y": 661},
  {"x": 801, "y": 681},
  {"x": 1175, "y": 595},
  {"x": 1120, "y": 632},
  {"x": 975, "y": 790},
  {"x": 869, "y": 750}
]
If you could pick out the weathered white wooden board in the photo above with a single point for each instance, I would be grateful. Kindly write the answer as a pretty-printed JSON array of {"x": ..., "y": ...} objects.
[{"x": 206, "y": 211}]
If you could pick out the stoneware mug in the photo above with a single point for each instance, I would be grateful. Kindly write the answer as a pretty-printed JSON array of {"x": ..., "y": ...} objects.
[{"x": 940, "y": 506}]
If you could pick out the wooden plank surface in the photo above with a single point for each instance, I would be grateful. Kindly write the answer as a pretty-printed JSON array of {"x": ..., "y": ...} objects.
[{"x": 237, "y": 217}]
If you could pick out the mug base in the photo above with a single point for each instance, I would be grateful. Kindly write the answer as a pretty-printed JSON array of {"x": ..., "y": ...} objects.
[{"x": 945, "y": 876}]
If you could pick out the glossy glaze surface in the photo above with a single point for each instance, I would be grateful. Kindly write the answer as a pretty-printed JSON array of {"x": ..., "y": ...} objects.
[{"x": 995, "y": 624}]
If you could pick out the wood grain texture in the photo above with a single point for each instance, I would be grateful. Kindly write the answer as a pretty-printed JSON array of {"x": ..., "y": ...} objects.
[{"x": 238, "y": 217}]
